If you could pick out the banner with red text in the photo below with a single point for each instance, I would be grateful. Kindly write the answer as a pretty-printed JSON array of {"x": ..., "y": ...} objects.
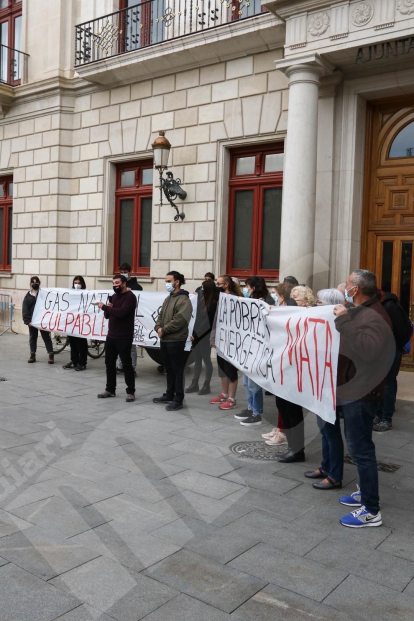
[
  {"x": 290, "y": 351},
  {"x": 75, "y": 312}
]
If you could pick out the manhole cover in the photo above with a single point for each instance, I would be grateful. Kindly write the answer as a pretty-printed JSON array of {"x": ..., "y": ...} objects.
[
  {"x": 381, "y": 465},
  {"x": 257, "y": 450}
]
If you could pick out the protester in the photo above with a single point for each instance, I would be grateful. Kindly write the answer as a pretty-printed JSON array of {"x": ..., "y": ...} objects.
[
  {"x": 255, "y": 288},
  {"x": 329, "y": 297},
  {"x": 227, "y": 372},
  {"x": 78, "y": 346},
  {"x": 331, "y": 469},
  {"x": 207, "y": 276},
  {"x": 206, "y": 310},
  {"x": 292, "y": 413},
  {"x": 132, "y": 283},
  {"x": 303, "y": 296},
  {"x": 402, "y": 329},
  {"x": 291, "y": 280},
  {"x": 283, "y": 293},
  {"x": 27, "y": 313},
  {"x": 120, "y": 311},
  {"x": 367, "y": 350},
  {"x": 172, "y": 329}
]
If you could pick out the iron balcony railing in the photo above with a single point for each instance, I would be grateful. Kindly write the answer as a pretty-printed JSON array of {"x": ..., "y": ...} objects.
[
  {"x": 13, "y": 66},
  {"x": 154, "y": 21}
]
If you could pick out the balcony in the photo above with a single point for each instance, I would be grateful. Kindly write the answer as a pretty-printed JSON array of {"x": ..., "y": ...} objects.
[
  {"x": 136, "y": 41},
  {"x": 13, "y": 72}
]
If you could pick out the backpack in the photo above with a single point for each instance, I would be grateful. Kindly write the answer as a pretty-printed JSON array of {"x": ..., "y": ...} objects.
[{"x": 401, "y": 324}]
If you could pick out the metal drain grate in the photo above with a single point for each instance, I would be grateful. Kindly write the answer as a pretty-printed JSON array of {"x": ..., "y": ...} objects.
[
  {"x": 256, "y": 450},
  {"x": 381, "y": 465}
]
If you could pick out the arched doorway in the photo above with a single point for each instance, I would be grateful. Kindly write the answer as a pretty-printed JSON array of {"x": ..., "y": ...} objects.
[{"x": 388, "y": 221}]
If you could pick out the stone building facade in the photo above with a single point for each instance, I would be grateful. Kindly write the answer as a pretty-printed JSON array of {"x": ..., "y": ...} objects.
[{"x": 299, "y": 78}]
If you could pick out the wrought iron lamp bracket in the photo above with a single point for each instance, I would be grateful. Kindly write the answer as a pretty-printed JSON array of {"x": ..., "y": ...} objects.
[{"x": 172, "y": 190}]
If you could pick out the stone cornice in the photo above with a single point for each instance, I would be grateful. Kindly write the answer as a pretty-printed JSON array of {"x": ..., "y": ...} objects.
[{"x": 287, "y": 8}]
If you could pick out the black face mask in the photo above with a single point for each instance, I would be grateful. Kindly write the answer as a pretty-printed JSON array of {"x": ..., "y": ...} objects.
[
  {"x": 35, "y": 286},
  {"x": 117, "y": 288}
]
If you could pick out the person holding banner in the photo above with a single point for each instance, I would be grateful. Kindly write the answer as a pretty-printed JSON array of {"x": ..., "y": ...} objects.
[
  {"x": 255, "y": 288},
  {"x": 227, "y": 372},
  {"x": 367, "y": 351},
  {"x": 27, "y": 312},
  {"x": 172, "y": 328},
  {"x": 78, "y": 346},
  {"x": 332, "y": 467},
  {"x": 120, "y": 311}
]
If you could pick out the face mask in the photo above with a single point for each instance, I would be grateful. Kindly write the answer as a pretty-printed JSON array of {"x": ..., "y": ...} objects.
[
  {"x": 125, "y": 274},
  {"x": 117, "y": 288},
  {"x": 169, "y": 286},
  {"x": 274, "y": 296},
  {"x": 35, "y": 286},
  {"x": 349, "y": 298},
  {"x": 246, "y": 293},
  {"x": 77, "y": 286}
]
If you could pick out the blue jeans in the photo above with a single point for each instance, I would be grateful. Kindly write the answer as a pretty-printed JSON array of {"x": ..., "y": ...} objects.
[
  {"x": 358, "y": 420},
  {"x": 332, "y": 448},
  {"x": 254, "y": 395},
  {"x": 386, "y": 407}
]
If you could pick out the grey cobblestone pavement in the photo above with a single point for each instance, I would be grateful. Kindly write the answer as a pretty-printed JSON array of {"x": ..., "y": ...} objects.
[{"x": 111, "y": 510}]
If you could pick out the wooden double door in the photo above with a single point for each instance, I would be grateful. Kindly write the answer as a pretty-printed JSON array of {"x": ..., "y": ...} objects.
[{"x": 388, "y": 222}]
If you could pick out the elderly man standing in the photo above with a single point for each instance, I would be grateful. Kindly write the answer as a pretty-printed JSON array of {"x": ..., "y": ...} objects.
[{"x": 366, "y": 353}]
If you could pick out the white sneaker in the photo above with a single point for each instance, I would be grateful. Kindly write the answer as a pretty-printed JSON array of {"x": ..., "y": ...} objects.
[
  {"x": 270, "y": 434},
  {"x": 277, "y": 440}
]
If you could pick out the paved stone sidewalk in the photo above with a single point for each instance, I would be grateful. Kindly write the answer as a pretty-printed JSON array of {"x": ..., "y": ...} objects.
[{"x": 125, "y": 511}]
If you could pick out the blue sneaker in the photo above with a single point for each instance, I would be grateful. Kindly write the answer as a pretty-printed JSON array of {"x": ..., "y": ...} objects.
[
  {"x": 354, "y": 500},
  {"x": 361, "y": 518}
]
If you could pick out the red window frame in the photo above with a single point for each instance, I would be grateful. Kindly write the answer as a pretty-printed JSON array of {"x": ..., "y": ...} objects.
[
  {"x": 259, "y": 181},
  {"x": 6, "y": 206},
  {"x": 145, "y": 31},
  {"x": 136, "y": 192},
  {"x": 10, "y": 14}
]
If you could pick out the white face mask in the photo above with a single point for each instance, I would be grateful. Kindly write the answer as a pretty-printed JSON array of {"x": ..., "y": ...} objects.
[
  {"x": 77, "y": 286},
  {"x": 126, "y": 274}
]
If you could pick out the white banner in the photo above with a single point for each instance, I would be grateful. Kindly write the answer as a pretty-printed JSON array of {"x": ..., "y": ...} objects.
[
  {"x": 73, "y": 312},
  {"x": 290, "y": 351}
]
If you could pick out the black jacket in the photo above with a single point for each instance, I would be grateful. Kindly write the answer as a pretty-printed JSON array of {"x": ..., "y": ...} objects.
[
  {"x": 28, "y": 307},
  {"x": 366, "y": 352},
  {"x": 133, "y": 284},
  {"x": 204, "y": 318},
  {"x": 400, "y": 321},
  {"x": 121, "y": 315}
]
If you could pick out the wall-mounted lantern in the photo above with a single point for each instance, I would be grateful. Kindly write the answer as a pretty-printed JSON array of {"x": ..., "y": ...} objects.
[{"x": 169, "y": 186}]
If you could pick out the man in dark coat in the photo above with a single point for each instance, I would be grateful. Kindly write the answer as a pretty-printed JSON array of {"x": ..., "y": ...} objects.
[{"x": 366, "y": 354}]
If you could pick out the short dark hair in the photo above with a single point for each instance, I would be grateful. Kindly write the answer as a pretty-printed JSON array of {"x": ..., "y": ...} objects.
[
  {"x": 177, "y": 276},
  {"x": 209, "y": 275},
  {"x": 366, "y": 281},
  {"x": 292, "y": 280},
  {"x": 120, "y": 276},
  {"x": 125, "y": 266},
  {"x": 35, "y": 279}
]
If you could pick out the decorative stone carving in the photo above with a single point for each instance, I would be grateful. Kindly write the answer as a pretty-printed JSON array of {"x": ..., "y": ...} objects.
[
  {"x": 318, "y": 23},
  {"x": 406, "y": 7},
  {"x": 363, "y": 13}
]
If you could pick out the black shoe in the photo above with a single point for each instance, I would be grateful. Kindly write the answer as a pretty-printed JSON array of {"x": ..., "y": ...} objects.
[
  {"x": 244, "y": 415},
  {"x": 70, "y": 365},
  {"x": 253, "y": 421},
  {"x": 315, "y": 474},
  {"x": 80, "y": 367},
  {"x": 193, "y": 387},
  {"x": 331, "y": 484},
  {"x": 291, "y": 457},
  {"x": 385, "y": 425},
  {"x": 377, "y": 420},
  {"x": 164, "y": 399},
  {"x": 174, "y": 405},
  {"x": 205, "y": 390}
]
